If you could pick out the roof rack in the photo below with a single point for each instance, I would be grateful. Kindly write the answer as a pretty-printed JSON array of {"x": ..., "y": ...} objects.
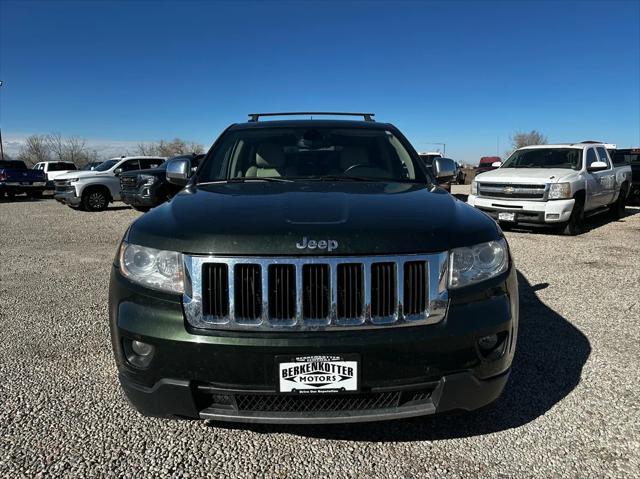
[{"x": 253, "y": 117}]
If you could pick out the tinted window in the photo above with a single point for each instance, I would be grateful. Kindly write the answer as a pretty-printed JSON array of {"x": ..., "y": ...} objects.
[
  {"x": 591, "y": 157},
  {"x": 303, "y": 153},
  {"x": 625, "y": 157},
  {"x": 569, "y": 158},
  {"x": 106, "y": 165},
  {"x": 130, "y": 165},
  {"x": 603, "y": 155},
  {"x": 15, "y": 164},
  {"x": 147, "y": 163}
]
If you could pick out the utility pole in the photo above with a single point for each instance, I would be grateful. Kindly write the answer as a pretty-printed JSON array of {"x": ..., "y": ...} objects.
[{"x": 1, "y": 148}]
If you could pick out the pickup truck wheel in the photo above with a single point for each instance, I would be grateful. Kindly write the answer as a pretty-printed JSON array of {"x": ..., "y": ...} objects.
[
  {"x": 35, "y": 194},
  {"x": 144, "y": 209},
  {"x": 575, "y": 224},
  {"x": 94, "y": 200},
  {"x": 616, "y": 210}
]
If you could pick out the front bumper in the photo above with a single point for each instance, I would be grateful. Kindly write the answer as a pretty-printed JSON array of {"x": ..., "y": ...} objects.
[
  {"x": 68, "y": 197},
  {"x": 526, "y": 212},
  {"x": 137, "y": 199},
  {"x": 231, "y": 376},
  {"x": 17, "y": 187}
]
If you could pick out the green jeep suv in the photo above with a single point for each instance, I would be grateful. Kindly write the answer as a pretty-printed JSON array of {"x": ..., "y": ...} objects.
[{"x": 312, "y": 271}]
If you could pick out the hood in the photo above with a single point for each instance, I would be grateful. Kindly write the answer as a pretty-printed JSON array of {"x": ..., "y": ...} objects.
[
  {"x": 82, "y": 174},
  {"x": 525, "y": 175},
  {"x": 272, "y": 218}
]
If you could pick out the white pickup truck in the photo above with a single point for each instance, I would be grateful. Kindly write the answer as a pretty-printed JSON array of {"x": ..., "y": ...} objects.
[
  {"x": 554, "y": 185},
  {"x": 53, "y": 169},
  {"x": 93, "y": 190}
]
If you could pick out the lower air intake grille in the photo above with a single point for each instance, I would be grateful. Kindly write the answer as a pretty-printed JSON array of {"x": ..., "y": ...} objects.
[
  {"x": 254, "y": 402},
  {"x": 215, "y": 278}
]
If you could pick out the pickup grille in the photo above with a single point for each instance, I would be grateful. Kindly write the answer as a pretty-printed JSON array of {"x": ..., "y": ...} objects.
[
  {"x": 509, "y": 190},
  {"x": 128, "y": 182},
  {"x": 315, "y": 292}
]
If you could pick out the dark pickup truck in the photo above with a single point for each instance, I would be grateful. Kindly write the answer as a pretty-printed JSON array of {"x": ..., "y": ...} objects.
[
  {"x": 312, "y": 271},
  {"x": 145, "y": 189},
  {"x": 629, "y": 156},
  {"x": 16, "y": 178}
]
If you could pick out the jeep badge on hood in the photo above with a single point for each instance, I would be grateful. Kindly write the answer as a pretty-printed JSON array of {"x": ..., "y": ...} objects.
[{"x": 329, "y": 245}]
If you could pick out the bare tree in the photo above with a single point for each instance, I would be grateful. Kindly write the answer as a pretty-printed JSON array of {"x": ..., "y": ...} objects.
[
  {"x": 34, "y": 150},
  {"x": 55, "y": 142},
  {"x": 75, "y": 150},
  {"x": 534, "y": 137},
  {"x": 175, "y": 147}
]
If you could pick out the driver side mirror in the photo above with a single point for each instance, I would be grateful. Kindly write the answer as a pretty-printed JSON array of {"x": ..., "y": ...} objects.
[
  {"x": 444, "y": 169},
  {"x": 597, "y": 166},
  {"x": 496, "y": 164},
  {"x": 117, "y": 171},
  {"x": 178, "y": 171}
]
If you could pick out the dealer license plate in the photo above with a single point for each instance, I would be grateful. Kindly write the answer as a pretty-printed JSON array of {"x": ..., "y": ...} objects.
[
  {"x": 502, "y": 216},
  {"x": 318, "y": 374}
]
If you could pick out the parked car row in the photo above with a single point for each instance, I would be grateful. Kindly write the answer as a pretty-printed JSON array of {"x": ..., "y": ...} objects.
[
  {"x": 554, "y": 185},
  {"x": 93, "y": 190},
  {"x": 16, "y": 178}
]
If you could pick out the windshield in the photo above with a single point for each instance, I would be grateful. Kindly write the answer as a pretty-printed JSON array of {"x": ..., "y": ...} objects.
[
  {"x": 569, "y": 158},
  {"x": 303, "y": 153},
  {"x": 15, "y": 164},
  {"x": 106, "y": 165},
  {"x": 625, "y": 157}
]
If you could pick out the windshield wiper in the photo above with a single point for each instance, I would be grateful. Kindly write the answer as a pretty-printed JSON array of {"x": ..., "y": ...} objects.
[
  {"x": 341, "y": 178},
  {"x": 244, "y": 179}
]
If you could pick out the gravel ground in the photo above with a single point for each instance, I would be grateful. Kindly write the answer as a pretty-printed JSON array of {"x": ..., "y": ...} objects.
[{"x": 571, "y": 408}]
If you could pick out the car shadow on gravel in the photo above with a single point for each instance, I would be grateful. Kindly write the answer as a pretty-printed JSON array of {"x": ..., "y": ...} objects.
[{"x": 550, "y": 355}]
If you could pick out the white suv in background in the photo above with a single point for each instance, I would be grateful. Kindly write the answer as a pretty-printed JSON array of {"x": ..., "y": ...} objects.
[
  {"x": 554, "y": 185},
  {"x": 93, "y": 190}
]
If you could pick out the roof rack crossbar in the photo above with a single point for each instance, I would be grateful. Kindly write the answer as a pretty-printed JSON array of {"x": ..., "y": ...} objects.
[{"x": 253, "y": 117}]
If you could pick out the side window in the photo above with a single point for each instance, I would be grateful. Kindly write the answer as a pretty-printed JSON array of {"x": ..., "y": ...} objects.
[
  {"x": 54, "y": 167},
  {"x": 603, "y": 155},
  {"x": 69, "y": 166},
  {"x": 148, "y": 163},
  {"x": 130, "y": 165},
  {"x": 591, "y": 157}
]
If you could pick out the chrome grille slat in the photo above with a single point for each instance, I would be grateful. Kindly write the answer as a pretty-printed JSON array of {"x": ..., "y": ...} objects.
[{"x": 279, "y": 307}]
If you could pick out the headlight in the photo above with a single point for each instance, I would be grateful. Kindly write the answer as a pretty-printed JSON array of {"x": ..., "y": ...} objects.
[
  {"x": 474, "y": 187},
  {"x": 71, "y": 180},
  {"x": 154, "y": 268},
  {"x": 559, "y": 191},
  {"x": 477, "y": 263},
  {"x": 148, "y": 180}
]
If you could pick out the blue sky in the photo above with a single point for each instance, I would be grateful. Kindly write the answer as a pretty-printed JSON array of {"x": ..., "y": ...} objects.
[{"x": 465, "y": 73}]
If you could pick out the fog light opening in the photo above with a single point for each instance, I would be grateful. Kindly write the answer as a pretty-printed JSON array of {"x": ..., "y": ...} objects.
[
  {"x": 138, "y": 353},
  {"x": 492, "y": 346},
  {"x": 553, "y": 216},
  {"x": 141, "y": 349}
]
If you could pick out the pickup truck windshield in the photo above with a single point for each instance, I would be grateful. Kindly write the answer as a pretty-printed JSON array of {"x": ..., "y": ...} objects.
[
  {"x": 106, "y": 165},
  {"x": 304, "y": 153},
  {"x": 567, "y": 158}
]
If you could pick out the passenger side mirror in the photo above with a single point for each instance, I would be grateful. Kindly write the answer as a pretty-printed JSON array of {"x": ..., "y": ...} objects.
[
  {"x": 444, "y": 169},
  {"x": 597, "y": 166},
  {"x": 117, "y": 171},
  {"x": 178, "y": 171},
  {"x": 496, "y": 164}
]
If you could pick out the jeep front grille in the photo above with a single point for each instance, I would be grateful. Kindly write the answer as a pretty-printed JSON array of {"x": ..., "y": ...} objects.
[
  {"x": 514, "y": 191},
  {"x": 128, "y": 182},
  {"x": 315, "y": 293}
]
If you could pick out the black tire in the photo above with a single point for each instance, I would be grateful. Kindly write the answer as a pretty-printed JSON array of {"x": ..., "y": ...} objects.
[
  {"x": 575, "y": 224},
  {"x": 95, "y": 199},
  {"x": 616, "y": 210},
  {"x": 35, "y": 194},
  {"x": 143, "y": 209}
]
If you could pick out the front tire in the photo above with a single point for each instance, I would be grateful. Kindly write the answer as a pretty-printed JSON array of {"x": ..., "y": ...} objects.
[
  {"x": 142, "y": 209},
  {"x": 94, "y": 200},
  {"x": 36, "y": 195},
  {"x": 575, "y": 224}
]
